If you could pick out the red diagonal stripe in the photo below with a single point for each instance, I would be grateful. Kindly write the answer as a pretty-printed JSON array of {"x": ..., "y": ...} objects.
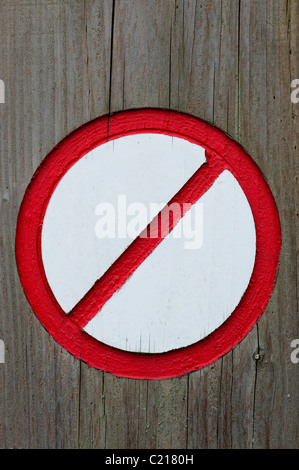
[{"x": 143, "y": 246}]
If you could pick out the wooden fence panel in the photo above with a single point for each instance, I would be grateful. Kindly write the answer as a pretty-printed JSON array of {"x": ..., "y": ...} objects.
[{"x": 230, "y": 62}]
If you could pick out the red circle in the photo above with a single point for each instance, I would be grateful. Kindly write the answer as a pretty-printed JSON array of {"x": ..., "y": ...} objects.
[{"x": 30, "y": 265}]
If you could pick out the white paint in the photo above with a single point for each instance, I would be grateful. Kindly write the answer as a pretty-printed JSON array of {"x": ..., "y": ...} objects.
[
  {"x": 2, "y": 92},
  {"x": 147, "y": 168},
  {"x": 295, "y": 93},
  {"x": 124, "y": 220},
  {"x": 178, "y": 296},
  {"x": 2, "y": 352}
]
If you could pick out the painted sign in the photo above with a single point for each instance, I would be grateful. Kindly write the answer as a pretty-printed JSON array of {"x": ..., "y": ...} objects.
[{"x": 148, "y": 243}]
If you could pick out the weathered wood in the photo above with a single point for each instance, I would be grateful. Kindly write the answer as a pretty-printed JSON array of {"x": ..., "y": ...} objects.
[
  {"x": 229, "y": 62},
  {"x": 276, "y": 396}
]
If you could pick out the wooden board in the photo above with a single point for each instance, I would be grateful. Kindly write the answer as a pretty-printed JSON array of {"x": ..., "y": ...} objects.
[{"x": 228, "y": 62}]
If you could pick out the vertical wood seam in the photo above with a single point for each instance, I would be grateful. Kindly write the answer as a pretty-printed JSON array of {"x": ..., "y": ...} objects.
[
  {"x": 187, "y": 411},
  {"x": 254, "y": 388},
  {"x": 146, "y": 412},
  {"x": 79, "y": 405},
  {"x": 294, "y": 126},
  {"x": 87, "y": 58},
  {"x": 111, "y": 61},
  {"x": 220, "y": 394},
  {"x": 109, "y": 111},
  {"x": 231, "y": 402},
  {"x": 169, "y": 68},
  {"x": 104, "y": 409},
  {"x": 238, "y": 79}
]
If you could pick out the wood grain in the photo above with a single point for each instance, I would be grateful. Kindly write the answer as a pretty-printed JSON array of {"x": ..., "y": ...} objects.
[{"x": 228, "y": 62}]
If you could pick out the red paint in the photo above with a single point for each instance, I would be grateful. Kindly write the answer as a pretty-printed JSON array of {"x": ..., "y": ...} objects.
[{"x": 66, "y": 330}]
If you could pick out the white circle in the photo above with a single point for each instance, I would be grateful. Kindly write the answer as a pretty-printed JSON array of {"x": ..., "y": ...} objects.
[{"x": 179, "y": 294}]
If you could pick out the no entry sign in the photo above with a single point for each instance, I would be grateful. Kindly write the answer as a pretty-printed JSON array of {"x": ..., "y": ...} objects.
[{"x": 148, "y": 243}]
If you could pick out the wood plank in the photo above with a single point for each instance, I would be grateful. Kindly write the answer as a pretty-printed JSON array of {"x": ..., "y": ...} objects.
[
  {"x": 43, "y": 71},
  {"x": 125, "y": 412},
  {"x": 230, "y": 63},
  {"x": 96, "y": 28},
  {"x": 141, "y": 54},
  {"x": 219, "y": 416},
  {"x": 140, "y": 78},
  {"x": 294, "y": 67},
  {"x": 276, "y": 403}
]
